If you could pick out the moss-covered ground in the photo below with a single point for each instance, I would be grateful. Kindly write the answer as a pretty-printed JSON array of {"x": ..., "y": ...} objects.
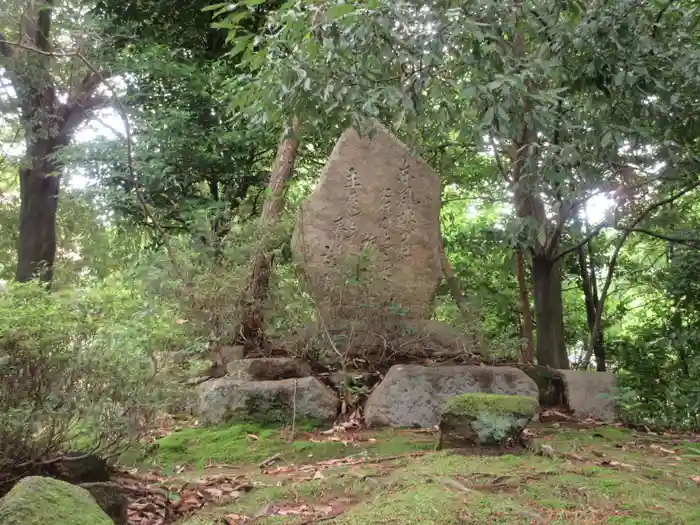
[{"x": 598, "y": 475}]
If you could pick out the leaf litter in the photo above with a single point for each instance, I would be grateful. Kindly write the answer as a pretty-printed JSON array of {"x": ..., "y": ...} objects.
[{"x": 154, "y": 500}]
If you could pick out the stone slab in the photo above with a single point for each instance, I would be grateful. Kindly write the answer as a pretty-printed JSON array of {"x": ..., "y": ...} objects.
[
  {"x": 268, "y": 368},
  {"x": 227, "y": 400},
  {"x": 589, "y": 394},
  {"x": 413, "y": 396}
]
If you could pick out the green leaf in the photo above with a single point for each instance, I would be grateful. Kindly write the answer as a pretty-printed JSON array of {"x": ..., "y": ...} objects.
[
  {"x": 216, "y": 6},
  {"x": 488, "y": 117},
  {"x": 339, "y": 10},
  {"x": 542, "y": 235},
  {"x": 607, "y": 139}
]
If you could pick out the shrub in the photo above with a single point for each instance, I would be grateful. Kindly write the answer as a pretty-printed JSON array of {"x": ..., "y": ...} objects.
[
  {"x": 357, "y": 326},
  {"x": 78, "y": 369}
]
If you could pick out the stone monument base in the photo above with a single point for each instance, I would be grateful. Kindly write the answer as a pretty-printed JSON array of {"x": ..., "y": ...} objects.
[{"x": 401, "y": 341}]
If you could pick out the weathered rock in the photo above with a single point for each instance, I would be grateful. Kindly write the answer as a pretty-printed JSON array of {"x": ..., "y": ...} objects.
[
  {"x": 590, "y": 394},
  {"x": 82, "y": 467},
  {"x": 268, "y": 368},
  {"x": 413, "y": 395},
  {"x": 484, "y": 419},
  {"x": 342, "y": 380},
  {"x": 38, "y": 501},
  {"x": 375, "y": 196},
  {"x": 111, "y": 499},
  {"x": 226, "y": 400},
  {"x": 549, "y": 383},
  {"x": 227, "y": 354}
]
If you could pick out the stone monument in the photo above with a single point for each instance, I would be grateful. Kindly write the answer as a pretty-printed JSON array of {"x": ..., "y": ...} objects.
[{"x": 377, "y": 198}]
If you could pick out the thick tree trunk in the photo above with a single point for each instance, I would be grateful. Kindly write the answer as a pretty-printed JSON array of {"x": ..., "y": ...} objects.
[
  {"x": 549, "y": 312},
  {"x": 39, "y": 190},
  {"x": 48, "y": 126},
  {"x": 252, "y": 324},
  {"x": 526, "y": 314}
]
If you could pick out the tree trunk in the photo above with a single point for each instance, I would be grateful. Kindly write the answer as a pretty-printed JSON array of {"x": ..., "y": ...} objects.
[
  {"x": 590, "y": 294},
  {"x": 526, "y": 325},
  {"x": 252, "y": 332},
  {"x": 48, "y": 127},
  {"x": 39, "y": 189},
  {"x": 475, "y": 335},
  {"x": 549, "y": 312},
  {"x": 599, "y": 349}
]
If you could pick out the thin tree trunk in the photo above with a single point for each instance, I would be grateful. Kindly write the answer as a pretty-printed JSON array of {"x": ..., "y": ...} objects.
[
  {"x": 590, "y": 293},
  {"x": 549, "y": 312},
  {"x": 252, "y": 324},
  {"x": 599, "y": 347},
  {"x": 527, "y": 353},
  {"x": 459, "y": 299}
]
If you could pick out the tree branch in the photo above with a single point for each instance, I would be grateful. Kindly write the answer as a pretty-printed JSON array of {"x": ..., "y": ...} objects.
[
  {"x": 693, "y": 243},
  {"x": 613, "y": 262},
  {"x": 594, "y": 233}
]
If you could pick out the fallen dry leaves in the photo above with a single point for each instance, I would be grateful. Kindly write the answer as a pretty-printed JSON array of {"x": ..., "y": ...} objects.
[
  {"x": 155, "y": 501},
  {"x": 349, "y": 460},
  {"x": 312, "y": 512}
]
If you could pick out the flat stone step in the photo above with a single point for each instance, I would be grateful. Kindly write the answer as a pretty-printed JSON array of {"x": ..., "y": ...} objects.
[
  {"x": 268, "y": 369},
  {"x": 228, "y": 400}
]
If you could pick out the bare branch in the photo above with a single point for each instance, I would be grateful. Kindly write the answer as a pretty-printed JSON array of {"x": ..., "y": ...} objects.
[
  {"x": 693, "y": 243},
  {"x": 594, "y": 233},
  {"x": 613, "y": 262},
  {"x": 499, "y": 162}
]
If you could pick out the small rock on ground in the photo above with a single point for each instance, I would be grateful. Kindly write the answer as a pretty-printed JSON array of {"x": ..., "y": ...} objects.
[{"x": 590, "y": 394}]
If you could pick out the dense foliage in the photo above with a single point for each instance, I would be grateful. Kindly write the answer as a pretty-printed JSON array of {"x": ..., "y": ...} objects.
[
  {"x": 565, "y": 135},
  {"x": 81, "y": 368}
]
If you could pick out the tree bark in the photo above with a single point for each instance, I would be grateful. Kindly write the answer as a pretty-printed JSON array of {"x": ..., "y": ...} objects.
[
  {"x": 458, "y": 296},
  {"x": 48, "y": 127},
  {"x": 527, "y": 353},
  {"x": 252, "y": 332},
  {"x": 549, "y": 312},
  {"x": 592, "y": 302},
  {"x": 39, "y": 189}
]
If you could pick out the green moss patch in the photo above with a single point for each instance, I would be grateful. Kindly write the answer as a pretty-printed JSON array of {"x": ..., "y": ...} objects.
[
  {"x": 247, "y": 444},
  {"x": 38, "y": 501},
  {"x": 597, "y": 476},
  {"x": 498, "y": 404}
]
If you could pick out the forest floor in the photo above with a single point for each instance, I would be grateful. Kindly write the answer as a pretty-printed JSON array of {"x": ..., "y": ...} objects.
[{"x": 244, "y": 474}]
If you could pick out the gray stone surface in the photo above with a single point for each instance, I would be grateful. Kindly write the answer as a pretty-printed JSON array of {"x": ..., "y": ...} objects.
[
  {"x": 413, "y": 395},
  {"x": 268, "y": 368},
  {"x": 589, "y": 394},
  {"x": 111, "y": 499},
  {"x": 226, "y": 400},
  {"x": 373, "y": 195}
]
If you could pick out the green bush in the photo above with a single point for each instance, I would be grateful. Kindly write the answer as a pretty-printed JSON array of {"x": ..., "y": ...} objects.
[{"x": 79, "y": 369}]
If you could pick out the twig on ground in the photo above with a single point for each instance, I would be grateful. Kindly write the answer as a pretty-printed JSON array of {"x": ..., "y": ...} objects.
[
  {"x": 294, "y": 413},
  {"x": 453, "y": 483},
  {"x": 269, "y": 461}
]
